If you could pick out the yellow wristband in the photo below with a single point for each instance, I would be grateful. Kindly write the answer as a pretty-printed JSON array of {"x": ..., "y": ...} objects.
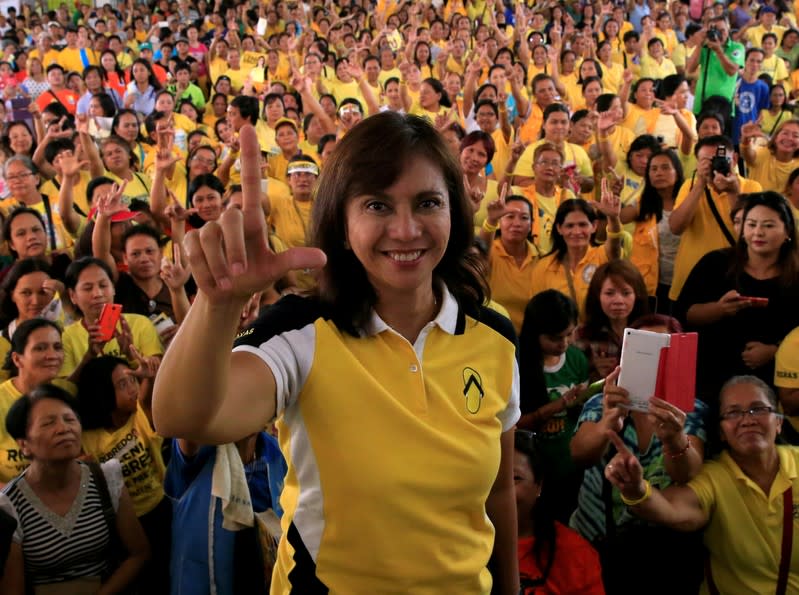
[
  {"x": 488, "y": 227},
  {"x": 614, "y": 235},
  {"x": 644, "y": 498}
]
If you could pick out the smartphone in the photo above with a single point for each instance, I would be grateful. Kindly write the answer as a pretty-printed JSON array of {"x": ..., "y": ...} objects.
[
  {"x": 755, "y": 301},
  {"x": 591, "y": 390},
  {"x": 109, "y": 317}
]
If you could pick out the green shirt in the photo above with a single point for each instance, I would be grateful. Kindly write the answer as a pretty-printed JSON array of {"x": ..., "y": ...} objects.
[
  {"x": 557, "y": 431},
  {"x": 718, "y": 82},
  {"x": 193, "y": 93}
]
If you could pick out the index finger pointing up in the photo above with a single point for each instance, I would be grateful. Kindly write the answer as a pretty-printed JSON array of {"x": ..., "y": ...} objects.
[
  {"x": 618, "y": 443},
  {"x": 250, "y": 169}
]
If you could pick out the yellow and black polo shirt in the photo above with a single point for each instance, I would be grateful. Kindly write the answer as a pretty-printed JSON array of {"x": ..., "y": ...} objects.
[{"x": 392, "y": 448}]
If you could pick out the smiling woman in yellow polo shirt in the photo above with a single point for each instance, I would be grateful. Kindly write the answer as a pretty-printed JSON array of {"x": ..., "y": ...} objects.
[
  {"x": 513, "y": 257},
  {"x": 393, "y": 361},
  {"x": 36, "y": 358},
  {"x": 574, "y": 257},
  {"x": 771, "y": 165},
  {"x": 745, "y": 501}
]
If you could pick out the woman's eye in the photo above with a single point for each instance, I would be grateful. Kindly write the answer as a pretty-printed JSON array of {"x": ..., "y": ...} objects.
[
  {"x": 377, "y": 206},
  {"x": 430, "y": 203}
]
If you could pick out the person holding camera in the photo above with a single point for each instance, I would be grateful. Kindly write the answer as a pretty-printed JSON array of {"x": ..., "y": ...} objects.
[
  {"x": 716, "y": 64},
  {"x": 701, "y": 215}
]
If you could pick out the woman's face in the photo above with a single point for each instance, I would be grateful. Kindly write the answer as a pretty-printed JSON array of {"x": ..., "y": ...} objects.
[
  {"x": 547, "y": 167},
  {"x": 393, "y": 93},
  {"x": 287, "y": 139},
  {"x": 126, "y": 389},
  {"x": 680, "y": 97},
  {"x": 53, "y": 433},
  {"x": 612, "y": 29},
  {"x": 220, "y": 107},
  {"x": 140, "y": 73},
  {"x": 577, "y": 230},
  {"x": 20, "y": 140},
  {"x": 301, "y": 183},
  {"x": 764, "y": 231},
  {"x": 591, "y": 91},
  {"x": 422, "y": 53},
  {"x": 474, "y": 158},
  {"x": 188, "y": 110},
  {"x": 645, "y": 95},
  {"x": 708, "y": 127},
  {"x": 202, "y": 162},
  {"x": 128, "y": 127},
  {"x": 527, "y": 490},
  {"x": 777, "y": 96},
  {"x": 31, "y": 296},
  {"x": 28, "y": 238},
  {"x": 753, "y": 433},
  {"x": 604, "y": 52},
  {"x": 787, "y": 140},
  {"x": 208, "y": 203},
  {"x": 93, "y": 81},
  {"x": 401, "y": 235},
  {"x": 556, "y": 127},
  {"x": 662, "y": 174},
  {"x": 428, "y": 98},
  {"x": 568, "y": 62},
  {"x": 165, "y": 103},
  {"x": 588, "y": 68},
  {"x": 582, "y": 131},
  {"x": 639, "y": 159},
  {"x": 540, "y": 55},
  {"x": 93, "y": 291},
  {"x": 517, "y": 222},
  {"x": 115, "y": 157},
  {"x": 616, "y": 298},
  {"x": 95, "y": 108},
  {"x": 43, "y": 355}
]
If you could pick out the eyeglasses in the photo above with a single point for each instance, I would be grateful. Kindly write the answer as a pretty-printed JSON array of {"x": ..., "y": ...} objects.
[
  {"x": 21, "y": 176},
  {"x": 738, "y": 414},
  {"x": 544, "y": 163}
]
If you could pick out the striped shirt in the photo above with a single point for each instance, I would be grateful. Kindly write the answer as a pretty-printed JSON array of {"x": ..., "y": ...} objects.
[
  {"x": 589, "y": 518},
  {"x": 60, "y": 548}
]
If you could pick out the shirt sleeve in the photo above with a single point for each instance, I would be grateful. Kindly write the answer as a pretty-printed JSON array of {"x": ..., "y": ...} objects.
[
  {"x": 703, "y": 486},
  {"x": 786, "y": 371},
  {"x": 511, "y": 414}
]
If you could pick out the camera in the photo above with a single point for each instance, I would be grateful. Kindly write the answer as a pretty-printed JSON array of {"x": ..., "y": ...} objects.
[
  {"x": 713, "y": 34},
  {"x": 660, "y": 139},
  {"x": 720, "y": 163}
]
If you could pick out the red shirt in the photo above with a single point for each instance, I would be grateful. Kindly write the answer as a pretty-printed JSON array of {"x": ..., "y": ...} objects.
[
  {"x": 65, "y": 96},
  {"x": 575, "y": 569}
]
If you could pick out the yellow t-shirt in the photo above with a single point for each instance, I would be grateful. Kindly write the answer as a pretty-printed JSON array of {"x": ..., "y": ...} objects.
[
  {"x": 138, "y": 186},
  {"x": 76, "y": 342},
  {"x": 611, "y": 77},
  {"x": 775, "y": 68},
  {"x": 51, "y": 57},
  {"x": 12, "y": 461},
  {"x": 72, "y": 61},
  {"x": 51, "y": 188},
  {"x": 544, "y": 210},
  {"x": 703, "y": 233},
  {"x": 550, "y": 274},
  {"x": 651, "y": 69},
  {"x": 63, "y": 239},
  {"x": 641, "y": 121},
  {"x": 341, "y": 90},
  {"x": 770, "y": 173},
  {"x": 749, "y": 561},
  {"x": 786, "y": 369},
  {"x": 574, "y": 155},
  {"x": 138, "y": 449},
  {"x": 290, "y": 219},
  {"x": 755, "y": 34},
  {"x": 512, "y": 284}
]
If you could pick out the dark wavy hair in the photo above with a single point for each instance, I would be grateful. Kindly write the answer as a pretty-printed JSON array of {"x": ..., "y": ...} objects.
[
  {"x": 651, "y": 202},
  {"x": 355, "y": 169},
  {"x": 788, "y": 259},
  {"x": 20, "y": 340},
  {"x": 618, "y": 270},
  {"x": 25, "y": 266},
  {"x": 97, "y": 393}
]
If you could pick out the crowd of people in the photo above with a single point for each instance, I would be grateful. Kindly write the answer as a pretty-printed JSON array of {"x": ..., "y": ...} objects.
[{"x": 331, "y": 296}]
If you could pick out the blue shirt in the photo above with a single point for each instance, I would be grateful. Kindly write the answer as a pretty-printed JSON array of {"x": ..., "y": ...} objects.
[
  {"x": 752, "y": 97},
  {"x": 188, "y": 483}
]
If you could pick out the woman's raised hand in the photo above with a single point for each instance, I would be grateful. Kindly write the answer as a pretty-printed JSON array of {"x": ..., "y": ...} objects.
[
  {"x": 624, "y": 470},
  {"x": 230, "y": 258},
  {"x": 615, "y": 402}
]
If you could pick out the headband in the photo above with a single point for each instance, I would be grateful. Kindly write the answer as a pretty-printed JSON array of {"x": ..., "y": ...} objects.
[{"x": 299, "y": 167}]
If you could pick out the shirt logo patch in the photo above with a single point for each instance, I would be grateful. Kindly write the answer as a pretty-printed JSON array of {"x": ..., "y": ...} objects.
[{"x": 472, "y": 390}]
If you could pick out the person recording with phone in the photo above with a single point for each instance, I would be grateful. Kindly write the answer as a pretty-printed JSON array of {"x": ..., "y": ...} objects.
[
  {"x": 716, "y": 64},
  {"x": 742, "y": 299},
  {"x": 701, "y": 215}
]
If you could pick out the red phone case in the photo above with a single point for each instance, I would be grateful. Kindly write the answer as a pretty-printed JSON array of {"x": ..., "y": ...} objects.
[
  {"x": 109, "y": 317},
  {"x": 676, "y": 382}
]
